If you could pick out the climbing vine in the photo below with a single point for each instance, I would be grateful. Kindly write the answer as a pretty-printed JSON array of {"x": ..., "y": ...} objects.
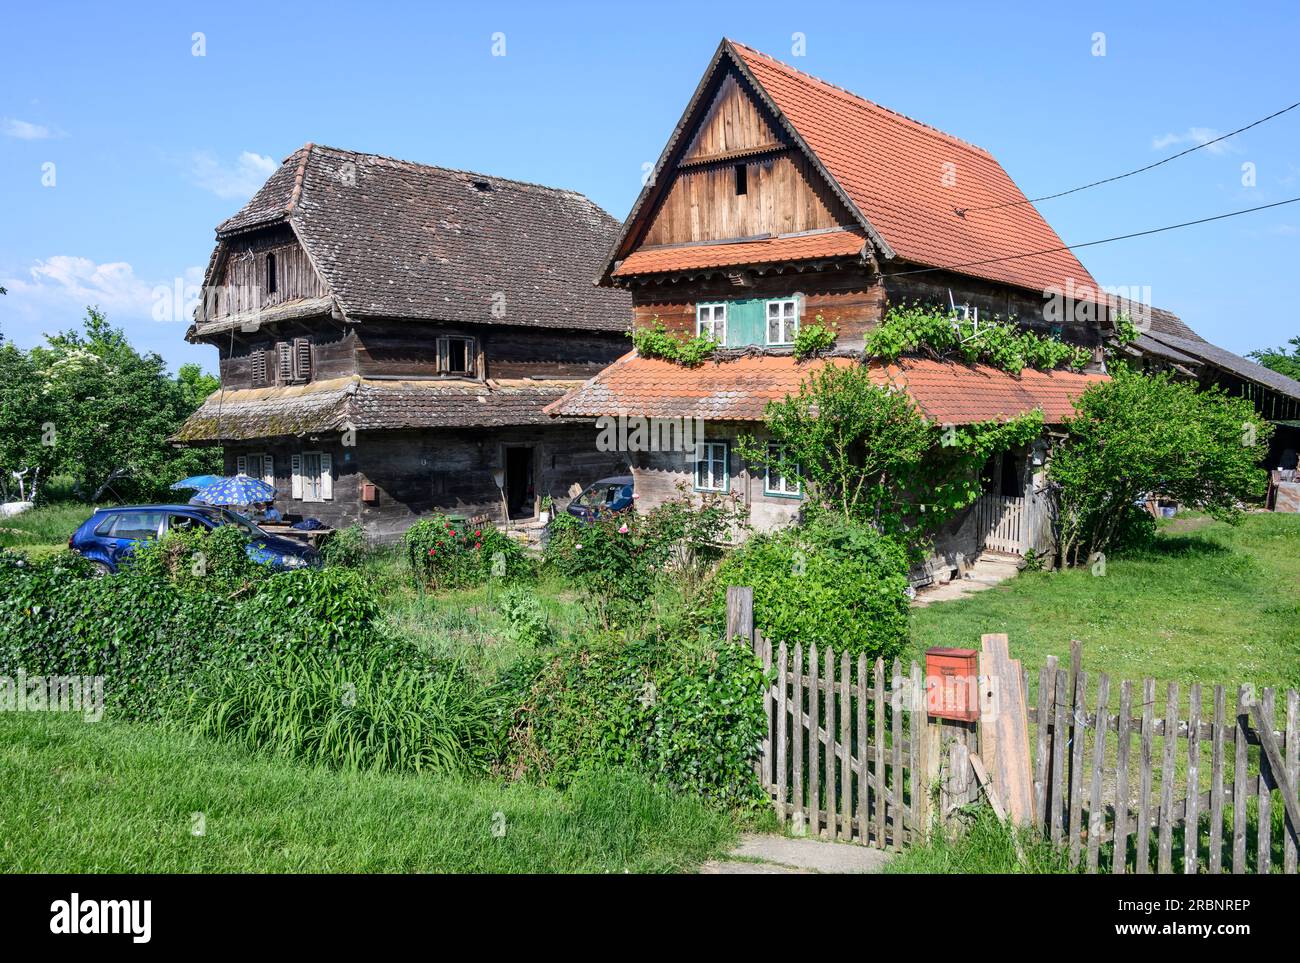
[{"x": 926, "y": 330}]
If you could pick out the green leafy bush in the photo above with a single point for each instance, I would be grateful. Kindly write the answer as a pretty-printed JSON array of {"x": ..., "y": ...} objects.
[
  {"x": 346, "y": 547},
  {"x": 692, "y": 720},
  {"x": 526, "y": 622},
  {"x": 620, "y": 559},
  {"x": 1138, "y": 435},
  {"x": 444, "y": 553},
  {"x": 827, "y": 583},
  {"x": 156, "y": 627},
  {"x": 922, "y": 329}
]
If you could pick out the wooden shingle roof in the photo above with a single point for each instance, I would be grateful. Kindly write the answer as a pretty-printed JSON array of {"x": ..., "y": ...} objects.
[{"x": 395, "y": 239}]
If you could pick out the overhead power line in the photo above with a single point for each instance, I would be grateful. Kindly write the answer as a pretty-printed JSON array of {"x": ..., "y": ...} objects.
[
  {"x": 1104, "y": 240},
  {"x": 963, "y": 211}
]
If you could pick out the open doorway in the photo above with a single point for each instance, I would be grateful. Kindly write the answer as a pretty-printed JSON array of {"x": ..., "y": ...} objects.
[{"x": 519, "y": 482}]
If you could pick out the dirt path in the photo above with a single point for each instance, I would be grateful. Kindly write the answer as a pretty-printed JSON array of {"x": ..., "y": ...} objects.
[{"x": 771, "y": 854}]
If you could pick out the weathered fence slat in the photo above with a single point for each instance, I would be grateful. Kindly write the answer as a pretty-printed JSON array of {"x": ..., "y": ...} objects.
[
  {"x": 864, "y": 791},
  {"x": 1216, "y": 780},
  {"x": 1123, "y": 739},
  {"x": 828, "y": 757},
  {"x": 814, "y": 744},
  {"x": 896, "y": 745},
  {"x": 917, "y": 726},
  {"x": 797, "y": 726},
  {"x": 1165, "y": 859},
  {"x": 878, "y": 797},
  {"x": 1292, "y": 747},
  {"x": 846, "y": 752},
  {"x": 1264, "y": 837},
  {"x": 1192, "y": 821},
  {"x": 781, "y": 732},
  {"x": 1096, "y": 813},
  {"x": 1060, "y": 740},
  {"x": 1078, "y": 743},
  {"x": 1143, "y": 865},
  {"x": 1042, "y": 771},
  {"x": 1239, "y": 770}
]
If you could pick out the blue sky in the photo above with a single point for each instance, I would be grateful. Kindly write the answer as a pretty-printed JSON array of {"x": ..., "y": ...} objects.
[{"x": 152, "y": 146}]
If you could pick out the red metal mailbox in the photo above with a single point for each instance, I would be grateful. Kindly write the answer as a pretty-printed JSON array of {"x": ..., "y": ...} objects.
[{"x": 952, "y": 684}]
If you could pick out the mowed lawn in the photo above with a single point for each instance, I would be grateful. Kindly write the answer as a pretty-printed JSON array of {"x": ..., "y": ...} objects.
[
  {"x": 115, "y": 797},
  {"x": 1211, "y": 603}
]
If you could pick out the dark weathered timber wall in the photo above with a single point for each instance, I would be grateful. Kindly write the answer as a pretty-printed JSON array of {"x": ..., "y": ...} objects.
[
  {"x": 419, "y": 472},
  {"x": 246, "y": 281},
  {"x": 333, "y": 352},
  {"x": 844, "y": 298}
]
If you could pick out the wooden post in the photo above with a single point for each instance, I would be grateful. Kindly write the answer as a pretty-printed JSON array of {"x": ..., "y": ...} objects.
[{"x": 740, "y": 612}]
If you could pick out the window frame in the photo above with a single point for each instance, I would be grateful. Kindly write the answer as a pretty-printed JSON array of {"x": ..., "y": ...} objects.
[
  {"x": 704, "y": 456},
  {"x": 712, "y": 307},
  {"x": 767, "y": 319},
  {"x": 443, "y": 345},
  {"x": 773, "y": 451}
]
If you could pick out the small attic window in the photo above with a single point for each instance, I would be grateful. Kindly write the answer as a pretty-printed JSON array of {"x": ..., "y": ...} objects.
[
  {"x": 742, "y": 179},
  {"x": 484, "y": 186},
  {"x": 272, "y": 282}
]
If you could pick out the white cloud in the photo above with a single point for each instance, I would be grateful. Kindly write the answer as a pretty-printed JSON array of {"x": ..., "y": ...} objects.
[
  {"x": 228, "y": 182},
  {"x": 1194, "y": 136},
  {"x": 56, "y": 291},
  {"x": 25, "y": 130}
]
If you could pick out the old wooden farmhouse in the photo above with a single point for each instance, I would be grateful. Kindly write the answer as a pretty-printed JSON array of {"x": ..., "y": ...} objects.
[
  {"x": 389, "y": 334},
  {"x": 779, "y": 199}
]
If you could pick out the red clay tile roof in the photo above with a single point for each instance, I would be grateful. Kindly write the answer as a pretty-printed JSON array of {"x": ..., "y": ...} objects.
[
  {"x": 802, "y": 247},
  {"x": 891, "y": 167},
  {"x": 739, "y": 389},
  {"x": 958, "y": 394}
]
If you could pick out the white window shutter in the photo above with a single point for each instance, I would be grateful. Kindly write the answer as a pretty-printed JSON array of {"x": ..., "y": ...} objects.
[
  {"x": 268, "y": 470},
  {"x": 326, "y": 476},
  {"x": 295, "y": 463},
  {"x": 444, "y": 354},
  {"x": 241, "y": 465}
]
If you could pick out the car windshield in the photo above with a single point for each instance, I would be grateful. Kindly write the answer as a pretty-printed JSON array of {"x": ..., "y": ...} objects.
[
  {"x": 243, "y": 524},
  {"x": 598, "y": 496}
]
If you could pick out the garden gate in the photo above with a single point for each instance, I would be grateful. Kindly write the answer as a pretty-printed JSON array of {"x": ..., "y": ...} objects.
[{"x": 1126, "y": 778}]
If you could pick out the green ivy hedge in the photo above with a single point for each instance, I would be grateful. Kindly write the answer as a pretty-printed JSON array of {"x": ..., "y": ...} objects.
[{"x": 831, "y": 584}]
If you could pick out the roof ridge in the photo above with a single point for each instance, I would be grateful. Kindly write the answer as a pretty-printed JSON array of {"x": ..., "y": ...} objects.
[
  {"x": 298, "y": 176},
  {"x": 399, "y": 161},
  {"x": 844, "y": 92}
]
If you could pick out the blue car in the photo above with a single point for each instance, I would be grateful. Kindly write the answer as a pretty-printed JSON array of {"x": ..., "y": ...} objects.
[
  {"x": 607, "y": 496},
  {"x": 111, "y": 534}
]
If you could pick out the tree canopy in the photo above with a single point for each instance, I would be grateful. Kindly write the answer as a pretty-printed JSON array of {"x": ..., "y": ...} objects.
[{"x": 87, "y": 405}]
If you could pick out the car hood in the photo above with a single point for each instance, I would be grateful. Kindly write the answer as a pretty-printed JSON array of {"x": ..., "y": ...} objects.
[{"x": 284, "y": 545}]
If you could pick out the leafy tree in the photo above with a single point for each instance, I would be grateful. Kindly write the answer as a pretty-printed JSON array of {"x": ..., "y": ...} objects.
[
  {"x": 24, "y": 438},
  {"x": 1280, "y": 359},
  {"x": 1137, "y": 435},
  {"x": 866, "y": 454},
  {"x": 104, "y": 410}
]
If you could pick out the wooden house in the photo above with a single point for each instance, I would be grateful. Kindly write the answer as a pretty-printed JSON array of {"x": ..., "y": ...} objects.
[
  {"x": 390, "y": 333},
  {"x": 781, "y": 199}
]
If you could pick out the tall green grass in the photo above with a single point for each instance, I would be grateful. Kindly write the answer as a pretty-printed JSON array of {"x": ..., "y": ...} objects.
[
  {"x": 358, "y": 713},
  {"x": 48, "y": 525},
  {"x": 984, "y": 846}
]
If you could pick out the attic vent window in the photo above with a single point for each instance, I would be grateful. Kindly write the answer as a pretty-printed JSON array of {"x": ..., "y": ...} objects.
[
  {"x": 272, "y": 282},
  {"x": 742, "y": 179},
  {"x": 482, "y": 186}
]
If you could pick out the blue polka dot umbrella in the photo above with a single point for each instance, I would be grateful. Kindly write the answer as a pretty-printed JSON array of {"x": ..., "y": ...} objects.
[{"x": 236, "y": 491}]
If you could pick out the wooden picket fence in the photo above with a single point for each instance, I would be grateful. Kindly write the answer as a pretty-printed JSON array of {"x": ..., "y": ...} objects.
[
  {"x": 1125, "y": 778},
  {"x": 1131, "y": 779}
]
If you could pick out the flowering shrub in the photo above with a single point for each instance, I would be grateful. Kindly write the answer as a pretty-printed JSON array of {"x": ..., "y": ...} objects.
[{"x": 443, "y": 553}]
